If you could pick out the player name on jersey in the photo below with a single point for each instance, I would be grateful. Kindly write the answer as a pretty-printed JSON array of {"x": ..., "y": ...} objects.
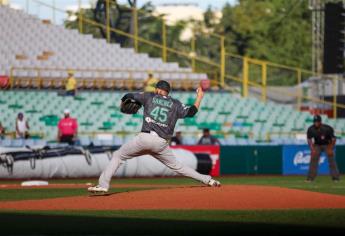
[{"x": 162, "y": 102}]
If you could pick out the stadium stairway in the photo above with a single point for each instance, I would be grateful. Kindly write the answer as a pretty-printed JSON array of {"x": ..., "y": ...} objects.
[{"x": 234, "y": 120}]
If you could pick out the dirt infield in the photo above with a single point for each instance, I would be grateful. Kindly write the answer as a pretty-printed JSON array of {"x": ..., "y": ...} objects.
[{"x": 229, "y": 197}]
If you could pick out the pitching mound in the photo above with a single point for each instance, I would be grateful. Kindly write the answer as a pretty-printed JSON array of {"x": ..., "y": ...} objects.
[{"x": 225, "y": 198}]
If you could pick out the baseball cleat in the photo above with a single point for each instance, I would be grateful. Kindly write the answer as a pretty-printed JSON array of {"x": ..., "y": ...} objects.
[
  {"x": 308, "y": 180},
  {"x": 97, "y": 189},
  {"x": 213, "y": 183},
  {"x": 335, "y": 180}
]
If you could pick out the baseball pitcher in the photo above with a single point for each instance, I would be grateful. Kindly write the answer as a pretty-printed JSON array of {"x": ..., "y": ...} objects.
[{"x": 161, "y": 113}]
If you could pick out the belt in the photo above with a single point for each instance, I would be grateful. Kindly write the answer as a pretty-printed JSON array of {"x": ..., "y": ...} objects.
[{"x": 154, "y": 133}]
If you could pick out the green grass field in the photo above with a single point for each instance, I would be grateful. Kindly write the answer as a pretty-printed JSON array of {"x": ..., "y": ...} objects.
[{"x": 173, "y": 222}]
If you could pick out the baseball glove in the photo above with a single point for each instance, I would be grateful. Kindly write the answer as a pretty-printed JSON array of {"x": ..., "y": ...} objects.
[{"x": 130, "y": 106}]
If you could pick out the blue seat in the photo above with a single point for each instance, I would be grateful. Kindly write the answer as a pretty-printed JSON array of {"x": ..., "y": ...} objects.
[
  {"x": 300, "y": 141},
  {"x": 40, "y": 142},
  {"x": 29, "y": 142},
  {"x": 107, "y": 142},
  {"x": 252, "y": 142},
  {"x": 17, "y": 143},
  {"x": 189, "y": 141},
  {"x": 117, "y": 141},
  {"x": 288, "y": 141},
  {"x": 231, "y": 141},
  {"x": 242, "y": 141},
  {"x": 84, "y": 141},
  {"x": 96, "y": 142},
  {"x": 7, "y": 142},
  {"x": 277, "y": 141}
]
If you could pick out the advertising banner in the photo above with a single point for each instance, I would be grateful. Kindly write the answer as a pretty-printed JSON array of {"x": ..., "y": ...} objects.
[
  {"x": 80, "y": 162},
  {"x": 205, "y": 154},
  {"x": 296, "y": 159}
]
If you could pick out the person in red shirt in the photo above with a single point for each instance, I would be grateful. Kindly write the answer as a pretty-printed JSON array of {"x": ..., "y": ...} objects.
[{"x": 67, "y": 129}]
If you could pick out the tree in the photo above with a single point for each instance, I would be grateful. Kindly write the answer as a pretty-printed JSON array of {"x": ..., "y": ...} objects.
[
  {"x": 278, "y": 31},
  {"x": 121, "y": 17}
]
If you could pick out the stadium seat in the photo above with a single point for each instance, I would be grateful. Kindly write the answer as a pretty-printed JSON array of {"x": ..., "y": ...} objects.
[
  {"x": 31, "y": 43},
  {"x": 242, "y": 122},
  {"x": 17, "y": 143}
]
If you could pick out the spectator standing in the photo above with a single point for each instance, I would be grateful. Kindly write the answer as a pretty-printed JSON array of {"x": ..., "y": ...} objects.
[
  {"x": 71, "y": 84},
  {"x": 177, "y": 139},
  {"x": 208, "y": 139},
  {"x": 67, "y": 129},
  {"x": 22, "y": 127},
  {"x": 150, "y": 83},
  {"x": 321, "y": 138},
  {"x": 2, "y": 131}
]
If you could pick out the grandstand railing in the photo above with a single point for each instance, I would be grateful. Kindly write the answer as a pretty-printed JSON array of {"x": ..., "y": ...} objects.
[
  {"x": 238, "y": 72},
  {"x": 293, "y": 135},
  {"x": 124, "y": 133},
  {"x": 250, "y": 73},
  {"x": 268, "y": 137},
  {"x": 33, "y": 134},
  {"x": 99, "y": 82}
]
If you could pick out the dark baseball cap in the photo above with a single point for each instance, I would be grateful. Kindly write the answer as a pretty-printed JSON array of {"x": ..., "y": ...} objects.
[
  {"x": 317, "y": 118},
  {"x": 164, "y": 85}
]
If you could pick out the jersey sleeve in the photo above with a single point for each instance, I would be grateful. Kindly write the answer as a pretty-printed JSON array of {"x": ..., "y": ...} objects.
[
  {"x": 215, "y": 140},
  {"x": 309, "y": 134},
  {"x": 139, "y": 97},
  {"x": 182, "y": 110},
  {"x": 331, "y": 132}
]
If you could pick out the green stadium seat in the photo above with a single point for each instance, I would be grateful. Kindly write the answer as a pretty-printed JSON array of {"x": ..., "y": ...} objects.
[{"x": 99, "y": 111}]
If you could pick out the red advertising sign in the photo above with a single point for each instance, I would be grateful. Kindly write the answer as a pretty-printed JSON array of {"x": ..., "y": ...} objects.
[
  {"x": 4, "y": 81},
  {"x": 211, "y": 150}
]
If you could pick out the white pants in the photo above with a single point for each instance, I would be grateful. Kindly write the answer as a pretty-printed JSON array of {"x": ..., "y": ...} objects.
[{"x": 142, "y": 144}]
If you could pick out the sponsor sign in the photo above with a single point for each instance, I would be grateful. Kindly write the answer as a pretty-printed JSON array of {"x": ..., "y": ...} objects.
[
  {"x": 212, "y": 151},
  {"x": 296, "y": 159}
]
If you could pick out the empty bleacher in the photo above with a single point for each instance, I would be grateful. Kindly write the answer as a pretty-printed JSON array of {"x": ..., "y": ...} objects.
[{"x": 28, "y": 42}]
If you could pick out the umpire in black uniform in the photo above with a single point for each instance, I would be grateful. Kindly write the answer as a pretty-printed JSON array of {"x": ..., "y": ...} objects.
[{"x": 321, "y": 138}]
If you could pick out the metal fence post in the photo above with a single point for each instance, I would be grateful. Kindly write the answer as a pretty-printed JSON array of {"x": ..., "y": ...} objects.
[
  {"x": 245, "y": 76},
  {"x": 27, "y": 6},
  {"x": 164, "y": 41},
  {"x": 108, "y": 20},
  {"x": 335, "y": 97},
  {"x": 80, "y": 17},
  {"x": 300, "y": 89},
  {"x": 193, "y": 54},
  {"x": 264, "y": 81},
  {"x": 11, "y": 77},
  {"x": 53, "y": 16},
  {"x": 222, "y": 61},
  {"x": 135, "y": 32}
]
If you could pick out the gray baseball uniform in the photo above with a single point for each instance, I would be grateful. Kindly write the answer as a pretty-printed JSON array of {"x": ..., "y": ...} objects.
[{"x": 160, "y": 116}]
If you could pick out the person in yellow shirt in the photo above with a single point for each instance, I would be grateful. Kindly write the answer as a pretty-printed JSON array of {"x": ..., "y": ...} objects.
[
  {"x": 71, "y": 84},
  {"x": 150, "y": 83}
]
